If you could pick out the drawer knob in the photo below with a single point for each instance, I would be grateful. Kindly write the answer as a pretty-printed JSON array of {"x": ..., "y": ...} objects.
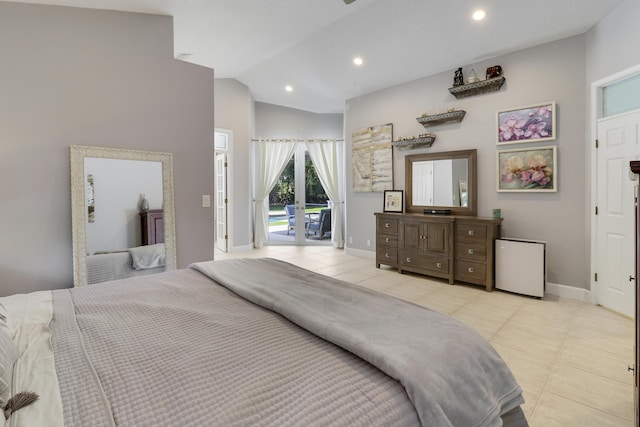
[
  {"x": 408, "y": 259},
  {"x": 387, "y": 255},
  {"x": 470, "y": 251},
  {"x": 386, "y": 240},
  {"x": 470, "y": 269},
  {"x": 386, "y": 224},
  {"x": 439, "y": 265},
  {"x": 470, "y": 232}
]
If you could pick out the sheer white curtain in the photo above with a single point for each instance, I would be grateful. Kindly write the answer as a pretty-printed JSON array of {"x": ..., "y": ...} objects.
[
  {"x": 324, "y": 155},
  {"x": 272, "y": 157}
]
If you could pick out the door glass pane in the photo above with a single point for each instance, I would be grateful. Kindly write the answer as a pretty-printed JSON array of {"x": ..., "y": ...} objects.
[
  {"x": 316, "y": 227},
  {"x": 317, "y": 213},
  {"x": 281, "y": 203},
  {"x": 622, "y": 96}
]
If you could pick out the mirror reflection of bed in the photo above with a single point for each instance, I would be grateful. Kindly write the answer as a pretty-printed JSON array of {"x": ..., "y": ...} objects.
[
  {"x": 120, "y": 208},
  {"x": 125, "y": 236}
]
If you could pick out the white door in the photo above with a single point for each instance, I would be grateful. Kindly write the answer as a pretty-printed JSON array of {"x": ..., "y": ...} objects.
[
  {"x": 300, "y": 194},
  {"x": 221, "y": 168},
  {"x": 221, "y": 202},
  {"x": 618, "y": 144}
]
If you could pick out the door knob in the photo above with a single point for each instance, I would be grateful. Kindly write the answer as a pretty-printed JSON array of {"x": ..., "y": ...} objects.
[{"x": 631, "y": 278}]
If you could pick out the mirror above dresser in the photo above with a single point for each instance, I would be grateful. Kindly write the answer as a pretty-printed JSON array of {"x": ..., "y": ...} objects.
[
  {"x": 453, "y": 243},
  {"x": 445, "y": 180}
]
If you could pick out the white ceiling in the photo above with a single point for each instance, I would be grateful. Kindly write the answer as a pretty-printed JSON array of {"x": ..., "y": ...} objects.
[{"x": 310, "y": 44}]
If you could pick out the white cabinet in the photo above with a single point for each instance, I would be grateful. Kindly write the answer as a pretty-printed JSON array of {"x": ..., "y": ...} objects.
[{"x": 521, "y": 266}]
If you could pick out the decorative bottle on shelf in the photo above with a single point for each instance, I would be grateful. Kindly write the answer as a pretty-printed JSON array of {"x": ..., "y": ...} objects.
[
  {"x": 145, "y": 204},
  {"x": 473, "y": 78}
]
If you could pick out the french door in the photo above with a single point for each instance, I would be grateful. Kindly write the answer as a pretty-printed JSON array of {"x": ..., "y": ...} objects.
[
  {"x": 299, "y": 197},
  {"x": 295, "y": 202}
]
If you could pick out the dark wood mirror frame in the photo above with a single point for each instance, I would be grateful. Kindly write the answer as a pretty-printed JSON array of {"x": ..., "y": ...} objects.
[{"x": 472, "y": 194}]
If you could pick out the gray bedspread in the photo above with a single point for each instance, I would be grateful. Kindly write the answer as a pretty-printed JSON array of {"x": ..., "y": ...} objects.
[
  {"x": 177, "y": 349},
  {"x": 452, "y": 374}
]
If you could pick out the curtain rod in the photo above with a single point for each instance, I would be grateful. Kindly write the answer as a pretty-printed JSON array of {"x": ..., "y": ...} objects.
[{"x": 303, "y": 140}]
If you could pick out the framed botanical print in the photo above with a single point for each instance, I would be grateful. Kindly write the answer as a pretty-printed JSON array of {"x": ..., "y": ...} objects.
[
  {"x": 532, "y": 123},
  {"x": 527, "y": 170}
]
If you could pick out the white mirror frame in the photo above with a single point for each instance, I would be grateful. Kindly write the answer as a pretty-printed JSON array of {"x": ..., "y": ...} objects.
[{"x": 79, "y": 208}]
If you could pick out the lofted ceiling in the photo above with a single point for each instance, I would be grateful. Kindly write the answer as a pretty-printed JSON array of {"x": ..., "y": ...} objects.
[{"x": 310, "y": 44}]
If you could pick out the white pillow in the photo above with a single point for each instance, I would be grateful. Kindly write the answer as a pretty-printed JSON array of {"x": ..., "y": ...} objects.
[
  {"x": 8, "y": 354},
  {"x": 4, "y": 320}
]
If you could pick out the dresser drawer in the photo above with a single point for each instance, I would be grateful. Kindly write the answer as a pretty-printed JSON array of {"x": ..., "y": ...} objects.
[
  {"x": 472, "y": 251},
  {"x": 388, "y": 256},
  {"x": 387, "y": 240},
  {"x": 471, "y": 232},
  {"x": 386, "y": 225},
  {"x": 473, "y": 272},
  {"x": 413, "y": 260}
]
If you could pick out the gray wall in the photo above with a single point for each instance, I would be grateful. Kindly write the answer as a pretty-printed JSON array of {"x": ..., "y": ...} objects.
[
  {"x": 274, "y": 121},
  {"x": 612, "y": 44},
  {"x": 235, "y": 111},
  {"x": 550, "y": 72},
  {"x": 91, "y": 77}
]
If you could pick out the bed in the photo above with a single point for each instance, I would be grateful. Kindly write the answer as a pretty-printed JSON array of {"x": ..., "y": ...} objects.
[
  {"x": 247, "y": 342},
  {"x": 122, "y": 264}
]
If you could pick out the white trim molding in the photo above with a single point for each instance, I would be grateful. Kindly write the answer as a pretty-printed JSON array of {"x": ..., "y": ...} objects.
[{"x": 569, "y": 292}]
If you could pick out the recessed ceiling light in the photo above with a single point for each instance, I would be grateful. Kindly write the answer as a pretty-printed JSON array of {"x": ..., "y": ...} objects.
[
  {"x": 479, "y": 15},
  {"x": 288, "y": 88},
  {"x": 358, "y": 61}
]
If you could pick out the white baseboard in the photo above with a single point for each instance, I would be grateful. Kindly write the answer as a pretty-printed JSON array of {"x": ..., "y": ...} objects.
[
  {"x": 245, "y": 248},
  {"x": 569, "y": 292},
  {"x": 360, "y": 253}
]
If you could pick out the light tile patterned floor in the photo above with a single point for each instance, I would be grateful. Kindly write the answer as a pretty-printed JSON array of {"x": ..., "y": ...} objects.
[{"x": 571, "y": 358}]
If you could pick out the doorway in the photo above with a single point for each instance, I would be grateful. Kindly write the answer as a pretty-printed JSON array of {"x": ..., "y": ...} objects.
[
  {"x": 222, "y": 214},
  {"x": 299, "y": 208},
  {"x": 616, "y": 136},
  {"x": 618, "y": 145}
]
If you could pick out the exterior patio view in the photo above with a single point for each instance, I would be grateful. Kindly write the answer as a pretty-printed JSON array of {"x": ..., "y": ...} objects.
[
  {"x": 317, "y": 223},
  {"x": 317, "y": 209}
]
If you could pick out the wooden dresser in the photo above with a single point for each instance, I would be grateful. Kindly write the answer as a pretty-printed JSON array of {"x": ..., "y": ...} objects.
[
  {"x": 152, "y": 227},
  {"x": 456, "y": 248}
]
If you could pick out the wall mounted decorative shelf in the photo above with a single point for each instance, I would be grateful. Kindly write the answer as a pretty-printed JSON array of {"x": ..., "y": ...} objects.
[
  {"x": 411, "y": 144},
  {"x": 438, "y": 119},
  {"x": 484, "y": 86}
]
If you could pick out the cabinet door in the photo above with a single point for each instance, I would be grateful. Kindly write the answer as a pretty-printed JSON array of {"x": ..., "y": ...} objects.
[
  {"x": 411, "y": 235},
  {"x": 437, "y": 238}
]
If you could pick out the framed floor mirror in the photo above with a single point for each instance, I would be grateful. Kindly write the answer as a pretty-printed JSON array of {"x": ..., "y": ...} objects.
[{"x": 122, "y": 212}]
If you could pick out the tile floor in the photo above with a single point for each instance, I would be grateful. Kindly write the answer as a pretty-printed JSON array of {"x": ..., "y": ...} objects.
[{"x": 571, "y": 358}]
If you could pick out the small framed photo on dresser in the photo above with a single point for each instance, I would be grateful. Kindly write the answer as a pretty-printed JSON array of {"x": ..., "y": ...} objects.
[{"x": 394, "y": 201}]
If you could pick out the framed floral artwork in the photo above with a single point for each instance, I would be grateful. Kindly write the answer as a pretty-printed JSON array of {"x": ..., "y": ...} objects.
[
  {"x": 532, "y": 123},
  {"x": 527, "y": 170}
]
